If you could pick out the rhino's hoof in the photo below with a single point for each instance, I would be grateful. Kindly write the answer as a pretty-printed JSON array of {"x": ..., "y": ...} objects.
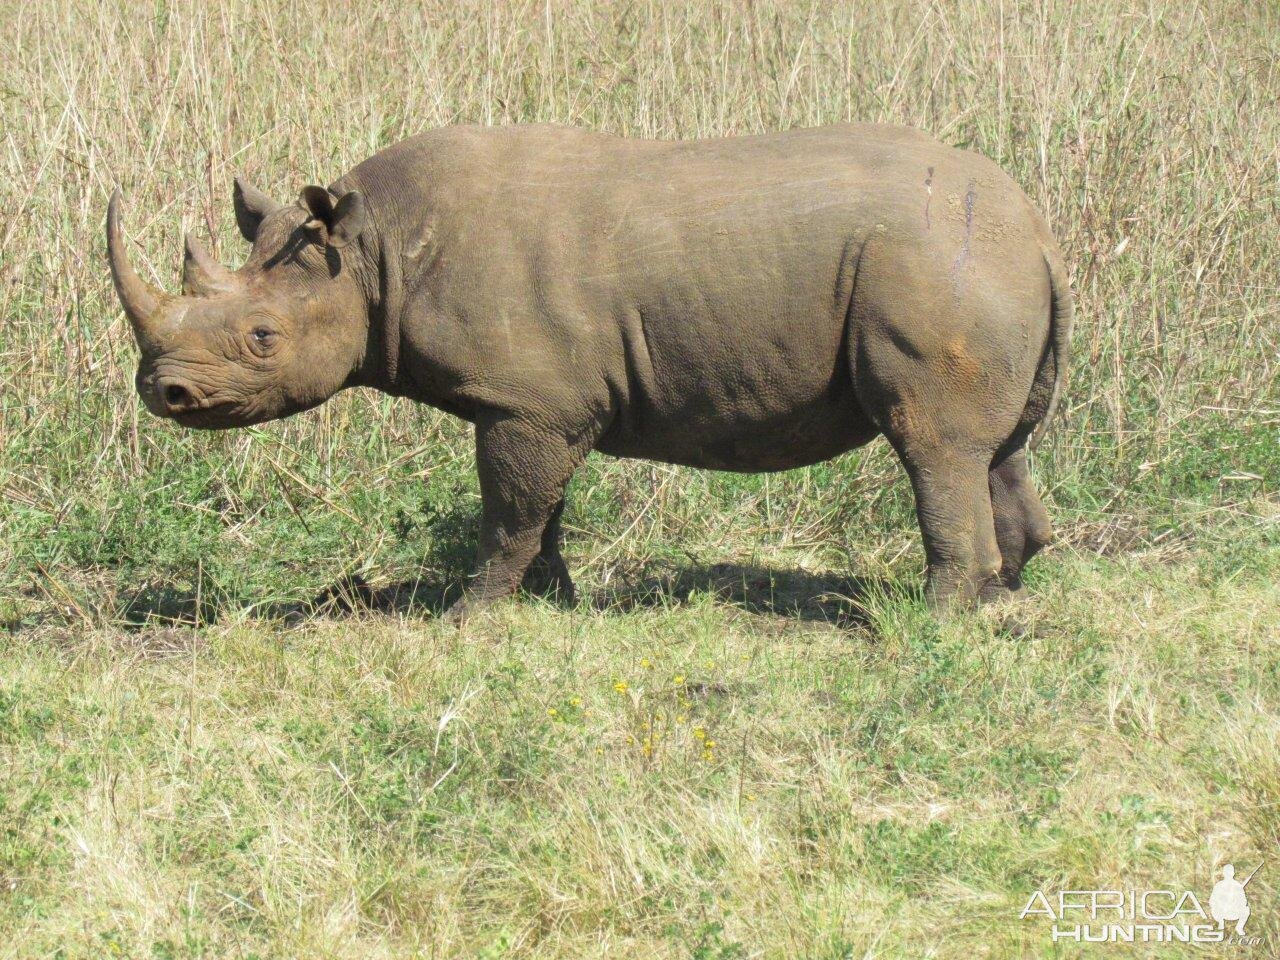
[
  {"x": 551, "y": 579},
  {"x": 1013, "y": 628},
  {"x": 998, "y": 591},
  {"x": 459, "y": 612}
]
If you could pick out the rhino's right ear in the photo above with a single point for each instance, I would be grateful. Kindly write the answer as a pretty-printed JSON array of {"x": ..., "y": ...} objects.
[{"x": 252, "y": 207}]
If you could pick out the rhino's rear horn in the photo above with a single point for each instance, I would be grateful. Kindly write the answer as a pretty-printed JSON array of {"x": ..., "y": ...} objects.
[
  {"x": 203, "y": 276},
  {"x": 141, "y": 301}
]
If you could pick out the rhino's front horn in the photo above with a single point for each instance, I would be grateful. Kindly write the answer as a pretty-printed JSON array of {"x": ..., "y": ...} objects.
[
  {"x": 141, "y": 301},
  {"x": 203, "y": 276}
]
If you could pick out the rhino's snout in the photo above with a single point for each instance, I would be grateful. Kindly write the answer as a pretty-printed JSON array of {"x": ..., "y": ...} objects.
[
  {"x": 176, "y": 397},
  {"x": 168, "y": 396}
]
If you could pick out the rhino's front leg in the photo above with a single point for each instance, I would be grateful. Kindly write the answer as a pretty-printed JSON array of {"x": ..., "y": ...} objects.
[
  {"x": 548, "y": 573},
  {"x": 523, "y": 472}
]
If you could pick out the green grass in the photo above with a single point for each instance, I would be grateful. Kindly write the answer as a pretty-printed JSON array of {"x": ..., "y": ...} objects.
[
  {"x": 687, "y": 779},
  {"x": 230, "y": 725}
]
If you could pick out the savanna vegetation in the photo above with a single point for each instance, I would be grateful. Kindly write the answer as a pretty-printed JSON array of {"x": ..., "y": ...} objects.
[{"x": 230, "y": 725}]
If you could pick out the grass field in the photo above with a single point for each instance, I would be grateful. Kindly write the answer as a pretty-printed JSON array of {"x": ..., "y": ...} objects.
[{"x": 230, "y": 725}]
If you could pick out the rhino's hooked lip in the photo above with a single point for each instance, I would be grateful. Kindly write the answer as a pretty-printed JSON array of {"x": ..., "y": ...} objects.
[
  {"x": 222, "y": 415},
  {"x": 205, "y": 418}
]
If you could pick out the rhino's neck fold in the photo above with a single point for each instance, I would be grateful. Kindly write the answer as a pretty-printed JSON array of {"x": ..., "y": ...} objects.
[
  {"x": 392, "y": 290},
  {"x": 381, "y": 277}
]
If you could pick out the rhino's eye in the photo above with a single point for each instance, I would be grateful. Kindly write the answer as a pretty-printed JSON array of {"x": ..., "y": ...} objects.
[{"x": 263, "y": 339}]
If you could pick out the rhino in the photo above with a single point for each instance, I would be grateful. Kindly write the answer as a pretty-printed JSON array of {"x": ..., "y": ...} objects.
[{"x": 750, "y": 303}]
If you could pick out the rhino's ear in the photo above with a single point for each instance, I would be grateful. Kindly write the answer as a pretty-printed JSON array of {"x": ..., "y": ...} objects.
[
  {"x": 252, "y": 207},
  {"x": 337, "y": 222}
]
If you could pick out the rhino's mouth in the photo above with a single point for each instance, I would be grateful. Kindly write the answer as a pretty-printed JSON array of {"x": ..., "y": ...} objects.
[{"x": 216, "y": 416}]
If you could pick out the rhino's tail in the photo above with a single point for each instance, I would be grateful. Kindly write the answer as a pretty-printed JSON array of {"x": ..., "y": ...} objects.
[{"x": 1051, "y": 376}]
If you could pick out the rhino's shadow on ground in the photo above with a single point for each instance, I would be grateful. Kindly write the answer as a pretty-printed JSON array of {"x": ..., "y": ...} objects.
[
  {"x": 163, "y": 603},
  {"x": 154, "y": 605},
  {"x": 793, "y": 594},
  {"x": 828, "y": 598}
]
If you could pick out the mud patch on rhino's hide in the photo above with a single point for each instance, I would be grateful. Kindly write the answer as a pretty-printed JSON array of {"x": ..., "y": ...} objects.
[
  {"x": 957, "y": 364},
  {"x": 964, "y": 209},
  {"x": 966, "y": 248},
  {"x": 416, "y": 246}
]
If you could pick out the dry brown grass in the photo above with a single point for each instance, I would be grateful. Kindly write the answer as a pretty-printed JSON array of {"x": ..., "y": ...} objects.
[{"x": 1148, "y": 134}]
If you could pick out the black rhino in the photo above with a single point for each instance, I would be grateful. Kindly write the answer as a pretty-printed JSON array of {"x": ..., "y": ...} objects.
[{"x": 749, "y": 303}]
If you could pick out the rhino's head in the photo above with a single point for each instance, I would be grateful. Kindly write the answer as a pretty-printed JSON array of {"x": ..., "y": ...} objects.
[{"x": 281, "y": 334}]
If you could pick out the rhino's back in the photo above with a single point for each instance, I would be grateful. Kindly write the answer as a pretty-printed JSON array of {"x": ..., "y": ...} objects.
[{"x": 696, "y": 289}]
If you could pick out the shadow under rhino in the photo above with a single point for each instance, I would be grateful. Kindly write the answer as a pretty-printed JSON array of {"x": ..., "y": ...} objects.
[{"x": 828, "y": 598}]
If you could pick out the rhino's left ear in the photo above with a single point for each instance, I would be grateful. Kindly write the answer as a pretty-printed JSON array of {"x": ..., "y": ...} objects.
[
  {"x": 252, "y": 207},
  {"x": 338, "y": 223}
]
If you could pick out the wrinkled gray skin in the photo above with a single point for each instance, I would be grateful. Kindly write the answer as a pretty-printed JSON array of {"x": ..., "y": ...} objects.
[{"x": 753, "y": 303}]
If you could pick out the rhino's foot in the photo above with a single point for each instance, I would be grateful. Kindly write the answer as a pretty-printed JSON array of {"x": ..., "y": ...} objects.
[
  {"x": 1021, "y": 522},
  {"x": 457, "y": 613},
  {"x": 549, "y": 577},
  {"x": 1007, "y": 601},
  {"x": 971, "y": 592},
  {"x": 1013, "y": 627},
  {"x": 999, "y": 590},
  {"x": 949, "y": 589},
  {"x": 464, "y": 609},
  {"x": 995, "y": 594}
]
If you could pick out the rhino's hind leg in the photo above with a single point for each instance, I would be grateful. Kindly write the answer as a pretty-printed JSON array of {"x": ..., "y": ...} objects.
[
  {"x": 523, "y": 473},
  {"x": 1021, "y": 521},
  {"x": 954, "y": 510},
  {"x": 548, "y": 573}
]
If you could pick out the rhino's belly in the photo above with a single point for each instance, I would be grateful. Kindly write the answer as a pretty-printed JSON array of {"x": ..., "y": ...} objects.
[{"x": 796, "y": 439}]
